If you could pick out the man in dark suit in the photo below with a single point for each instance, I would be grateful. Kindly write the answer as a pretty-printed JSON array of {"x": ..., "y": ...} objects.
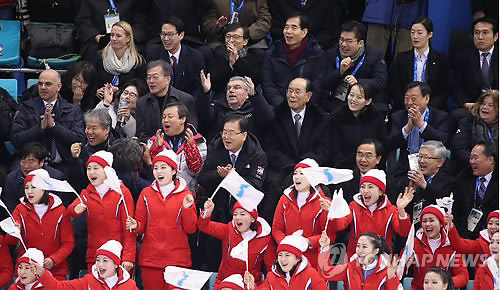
[
  {"x": 50, "y": 120},
  {"x": 477, "y": 69},
  {"x": 417, "y": 123},
  {"x": 236, "y": 149},
  {"x": 296, "y": 133},
  {"x": 185, "y": 62},
  {"x": 149, "y": 107},
  {"x": 350, "y": 61},
  {"x": 476, "y": 192}
]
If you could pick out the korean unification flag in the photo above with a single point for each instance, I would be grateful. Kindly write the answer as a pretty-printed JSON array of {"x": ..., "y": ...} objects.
[
  {"x": 339, "y": 207},
  {"x": 51, "y": 184},
  {"x": 243, "y": 192},
  {"x": 407, "y": 253},
  {"x": 240, "y": 251},
  {"x": 326, "y": 175},
  {"x": 185, "y": 278},
  {"x": 10, "y": 228}
]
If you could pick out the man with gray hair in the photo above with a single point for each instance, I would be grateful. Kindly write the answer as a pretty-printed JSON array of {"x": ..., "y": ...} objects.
[
  {"x": 241, "y": 99},
  {"x": 98, "y": 134},
  {"x": 149, "y": 107},
  {"x": 50, "y": 120},
  {"x": 430, "y": 178}
]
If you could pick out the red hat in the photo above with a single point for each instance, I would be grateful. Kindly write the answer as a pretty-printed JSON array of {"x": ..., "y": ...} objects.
[
  {"x": 492, "y": 215},
  {"x": 254, "y": 213},
  {"x": 111, "y": 249},
  {"x": 167, "y": 156},
  {"x": 234, "y": 282},
  {"x": 103, "y": 158},
  {"x": 294, "y": 244},
  {"x": 375, "y": 176},
  {"x": 435, "y": 210},
  {"x": 306, "y": 163}
]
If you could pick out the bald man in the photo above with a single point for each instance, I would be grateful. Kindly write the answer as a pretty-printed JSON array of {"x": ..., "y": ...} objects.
[{"x": 50, "y": 120}]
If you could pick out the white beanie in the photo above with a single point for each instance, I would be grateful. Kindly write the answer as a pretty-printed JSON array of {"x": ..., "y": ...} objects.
[
  {"x": 375, "y": 176},
  {"x": 167, "y": 156},
  {"x": 306, "y": 163},
  {"x": 295, "y": 244},
  {"x": 111, "y": 249},
  {"x": 103, "y": 158},
  {"x": 234, "y": 282},
  {"x": 37, "y": 172},
  {"x": 32, "y": 254}
]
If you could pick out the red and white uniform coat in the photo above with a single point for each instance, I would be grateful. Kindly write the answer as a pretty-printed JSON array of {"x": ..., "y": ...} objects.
[
  {"x": 52, "y": 234},
  {"x": 305, "y": 277},
  {"x": 487, "y": 275},
  {"x": 479, "y": 246},
  {"x": 382, "y": 221},
  {"x": 310, "y": 218},
  {"x": 106, "y": 220},
  {"x": 165, "y": 224},
  {"x": 260, "y": 248},
  {"x": 444, "y": 257}
]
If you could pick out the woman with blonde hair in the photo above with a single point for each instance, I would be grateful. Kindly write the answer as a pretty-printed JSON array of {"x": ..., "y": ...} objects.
[
  {"x": 479, "y": 125},
  {"x": 119, "y": 60}
]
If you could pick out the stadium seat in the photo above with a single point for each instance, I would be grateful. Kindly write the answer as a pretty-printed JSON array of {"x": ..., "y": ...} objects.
[
  {"x": 340, "y": 285},
  {"x": 31, "y": 82},
  {"x": 10, "y": 40},
  {"x": 407, "y": 283},
  {"x": 10, "y": 85}
]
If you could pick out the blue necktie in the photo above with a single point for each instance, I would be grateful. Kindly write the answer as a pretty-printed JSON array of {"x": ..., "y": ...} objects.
[
  {"x": 414, "y": 140},
  {"x": 233, "y": 159},
  {"x": 482, "y": 188}
]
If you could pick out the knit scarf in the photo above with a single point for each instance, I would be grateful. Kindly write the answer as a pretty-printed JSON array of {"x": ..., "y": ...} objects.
[
  {"x": 293, "y": 54},
  {"x": 115, "y": 66},
  {"x": 354, "y": 58}
]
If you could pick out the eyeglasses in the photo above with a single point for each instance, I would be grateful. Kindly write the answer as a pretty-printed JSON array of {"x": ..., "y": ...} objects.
[
  {"x": 152, "y": 78},
  {"x": 347, "y": 41},
  {"x": 365, "y": 155},
  {"x": 233, "y": 36},
  {"x": 229, "y": 133},
  {"x": 425, "y": 157},
  {"x": 130, "y": 94},
  {"x": 168, "y": 35},
  {"x": 237, "y": 87}
]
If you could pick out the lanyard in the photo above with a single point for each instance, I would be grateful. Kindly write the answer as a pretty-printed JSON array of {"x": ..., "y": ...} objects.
[
  {"x": 489, "y": 134},
  {"x": 421, "y": 141},
  {"x": 429, "y": 181},
  {"x": 112, "y": 4},
  {"x": 180, "y": 146},
  {"x": 415, "y": 69},
  {"x": 232, "y": 6},
  {"x": 360, "y": 63}
]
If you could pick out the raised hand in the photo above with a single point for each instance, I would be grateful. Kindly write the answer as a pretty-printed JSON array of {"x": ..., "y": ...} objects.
[
  {"x": 128, "y": 266},
  {"x": 188, "y": 201},
  {"x": 48, "y": 263},
  {"x": 208, "y": 208},
  {"x": 391, "y": 269},
  {"x": 159, "y": 138},
  {"x": 345, "y": 64},
  {"x": 404, "y": 198},
  {"x": 76, "y": 149},
  {"x": 189, "y": 136},
  {"x": 206, "y": 84},
  {"x": 324, "y": 240},
  {"x": 249, "y": 280},
  {"x": 251, "y": 86}
]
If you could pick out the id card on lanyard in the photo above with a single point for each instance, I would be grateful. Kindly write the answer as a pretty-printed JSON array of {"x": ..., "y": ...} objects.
[
  {"x": 415, "y": 74},
  {"x": 111, "y": 17},
  {"x": 235, "y": 12},
  {"x": 341, "y": 91},
  {"x": 476, "y": 213},
  {"x": 426, "y": 118}
]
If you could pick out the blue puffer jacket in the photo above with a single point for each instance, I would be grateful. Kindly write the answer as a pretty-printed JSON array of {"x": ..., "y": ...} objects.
[{"x": 386, "y": 12}]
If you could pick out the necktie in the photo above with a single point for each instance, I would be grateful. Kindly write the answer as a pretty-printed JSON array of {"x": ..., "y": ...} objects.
[
  {"x": 414, "y": 142},
  {"x": 298, "y": 124},
  {"x": 303, "y": 3},
  {"x": 233, "y": 159},
  {"x": 485, "y": 70},
  {"x": 53, "y": 148},
  {"x": 482, "y": 188},
  {"x": 174, "y": 63}
]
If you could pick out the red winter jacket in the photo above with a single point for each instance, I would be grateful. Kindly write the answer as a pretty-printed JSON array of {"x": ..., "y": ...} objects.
[
  {"x": 89, "y": 281},
  {"x": 352, "y": 274},
  {"x": 4, "y": 3},
  {"x": 166, "y": 225},
  {"x": 288, "y": 218},
  {"x": 479, "y": 246},
  {"x": 484, "y": 276},
  {"x": 444, "y": 257},
  {"x": 19, "y": 286},
  {"x": 260, "y": 248},
  {"x": 383, "y": 221},
  {"x": 304, "y": 278},
  {"x": 106, "y": 220},
  {"x": 53, "y": 234},
  {"x": 6, "y": 268}
]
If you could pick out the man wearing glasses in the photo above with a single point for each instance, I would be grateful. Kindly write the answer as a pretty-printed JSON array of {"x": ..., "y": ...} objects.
[
  {"x": 353, "y": 60},
  {"x": 185, "y": 62}
]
